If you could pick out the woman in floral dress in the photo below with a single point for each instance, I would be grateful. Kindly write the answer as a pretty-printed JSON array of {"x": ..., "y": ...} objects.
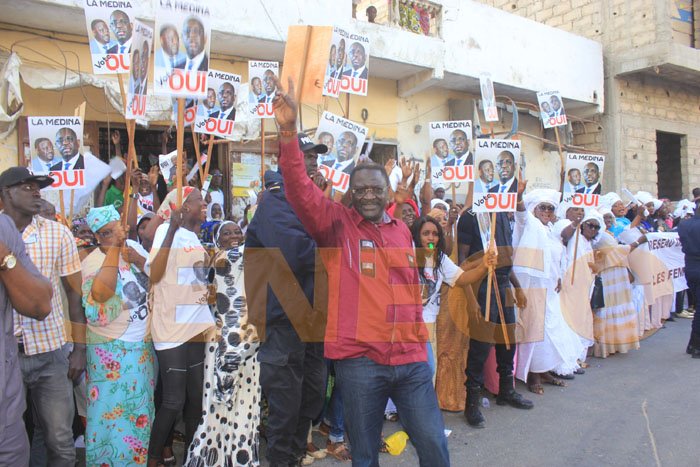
[{"x": 120, "y": 360}]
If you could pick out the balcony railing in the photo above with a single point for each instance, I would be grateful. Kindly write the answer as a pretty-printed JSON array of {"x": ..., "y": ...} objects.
[{"x": 417, "y": 16}]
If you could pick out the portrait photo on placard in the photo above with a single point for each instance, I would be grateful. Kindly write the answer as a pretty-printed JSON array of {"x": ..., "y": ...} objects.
[
  {"x": 488, "y": 97},
  {"x": 583, "y": 178},
  {"x": 217, "y": 111},
  {"x": 182, "y": 48},
  {"x": 55, "y": 143},
  {"x": 495, "y": 175},
  {"x": 110, "y": 30},
  {"x": 262, "y": 87},
  {"x": 344, "y": 139},
  {"x": 348, "y": 64},
  {"x": 551, "y": 109},
  {"x": 138, "y": 78}
]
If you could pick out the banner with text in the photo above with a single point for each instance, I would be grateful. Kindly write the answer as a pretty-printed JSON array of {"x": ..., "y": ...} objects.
[
  {"x": 262, "y": 87},
  {"x": 584, "y": 173},
  {"x": 138, "y": 80},
  {"x": 348, "y": 64},
  {"x": 55, "y": 144},
  {"x": 216, "y": 112},
  {"x": 551, "y": 109},
  {"x": 451, "y": 161}
]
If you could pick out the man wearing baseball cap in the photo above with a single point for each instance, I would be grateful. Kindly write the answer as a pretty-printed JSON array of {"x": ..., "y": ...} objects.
[
  {"x": 48, "y": 361},
  {"x": 292, "y": 370},
  {"x": 17, "y": 275}
]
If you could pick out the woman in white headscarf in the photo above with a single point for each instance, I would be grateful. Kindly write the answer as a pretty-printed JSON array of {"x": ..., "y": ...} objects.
[
  {"x": 538, "y": 266},
  {"x": 576, "y": 292},
  {"x": 615, "y": 325}
]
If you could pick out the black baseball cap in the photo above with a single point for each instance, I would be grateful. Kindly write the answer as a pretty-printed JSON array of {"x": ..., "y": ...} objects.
[
  {"x": 16, "y": 175},
  {"x": 306, "y": 144}
]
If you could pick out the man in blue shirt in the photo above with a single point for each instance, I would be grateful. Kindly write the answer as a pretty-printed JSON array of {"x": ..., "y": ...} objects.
[{"x": 689, "y": 233}]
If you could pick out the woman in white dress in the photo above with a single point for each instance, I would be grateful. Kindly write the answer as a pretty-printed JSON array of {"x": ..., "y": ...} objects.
[
  {"x": 227, "y": 434},
  {"x": 538, "y": 266}
]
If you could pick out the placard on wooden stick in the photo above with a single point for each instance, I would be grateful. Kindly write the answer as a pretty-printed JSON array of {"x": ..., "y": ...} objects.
[{"x": 305, "y": 59}]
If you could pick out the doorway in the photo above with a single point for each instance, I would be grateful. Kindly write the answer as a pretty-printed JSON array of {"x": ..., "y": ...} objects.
[{"x": 668, "y": 165}]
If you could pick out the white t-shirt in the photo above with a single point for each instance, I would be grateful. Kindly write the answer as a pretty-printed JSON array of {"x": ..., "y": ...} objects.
[
  {"x": 180, "y": 310},
  {"x": 134, "y": 296},
  {"x": 432, "y": 280},
  {"x": 145, "y": 204}
]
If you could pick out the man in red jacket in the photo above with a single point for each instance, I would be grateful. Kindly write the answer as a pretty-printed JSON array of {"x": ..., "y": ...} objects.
[{"x": 375, "y": 331}]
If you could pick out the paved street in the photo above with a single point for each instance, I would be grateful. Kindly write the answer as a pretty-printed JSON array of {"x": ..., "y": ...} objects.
[{"x": 608, "y": 416}]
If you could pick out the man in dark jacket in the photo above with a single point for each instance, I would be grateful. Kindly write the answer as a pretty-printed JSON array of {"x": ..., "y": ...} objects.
[
  {"x": 689, "y": 233},
  {"x": 292, "y": 369}
]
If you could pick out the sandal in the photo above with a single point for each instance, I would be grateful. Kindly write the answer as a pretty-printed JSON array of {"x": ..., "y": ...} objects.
[
  {"x": 555, "y": 375},
  {"x": 168, "y": 461},
  {"x": 324, "y": 429},
  {"x": 579, "y": 371},
  {"x": 338, "y": 450},
  {"x": 315, "y": 452},
  {"x": 583, "y": 364},
  {"x": 549, "y": 379},
  {"x": 536, "y": 388}
]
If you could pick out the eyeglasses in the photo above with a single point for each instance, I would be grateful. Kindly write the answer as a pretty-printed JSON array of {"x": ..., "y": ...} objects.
[
  {"x": 592, "y": 226},
  {"x": 546, "y": 207},
  {"x": 363, "y": 192}
]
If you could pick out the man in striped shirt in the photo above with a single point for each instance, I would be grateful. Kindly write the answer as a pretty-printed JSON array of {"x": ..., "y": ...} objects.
[{"x": 49, "y": 364}]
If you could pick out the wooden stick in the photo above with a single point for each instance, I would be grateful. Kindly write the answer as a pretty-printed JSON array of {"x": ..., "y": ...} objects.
[
  {"x": 561, "y": 159},
  {"x": 209, "y": 148},
  {"x": 63, "y": 208},
  {"x": 262, "y": 148},
  {"x": 501, "y": 315},
  {"x": 573, "y": 268},
  {"x": 70, "y": 207},
  {"x": 195, "y": 142},
  {"x": 130, "y": 154},
  {"x": 180, "y": 145},
  {"x": 302, "y": 71},
  {"x": 491, "y": 273}
]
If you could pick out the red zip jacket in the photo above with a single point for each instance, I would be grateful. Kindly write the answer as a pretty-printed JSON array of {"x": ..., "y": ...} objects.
[{"x": 374, "y": 303}]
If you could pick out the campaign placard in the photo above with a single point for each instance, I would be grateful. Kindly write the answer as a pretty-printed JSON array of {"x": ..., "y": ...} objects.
[
  {"x": 168, "y": 166},
  {"x": 488, "y": 97},
  {"x": 110, "y": 30},
  {"x": 451, "y": 161},
  {"x": 182, "y": 48},
  {"x": 501, "y": 158},
  {"x": 344, "y": 139},
  {"x": 55, "y": 144},
  {"x": 216, "y": 112},
  {"x": 138, "y": 78},
  {"x": 262, "y": 87},
  {"x": 190, "y": 114},
  {"x": 348, "y": 64},
  {"x": 582, "y": 181},
  {"x": 551, "y": 109}
]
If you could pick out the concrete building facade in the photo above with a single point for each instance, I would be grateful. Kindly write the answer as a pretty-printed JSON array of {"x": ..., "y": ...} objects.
[{"x": 650, "y": 126}]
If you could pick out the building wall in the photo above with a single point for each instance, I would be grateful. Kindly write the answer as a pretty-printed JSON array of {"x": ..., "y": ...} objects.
[{"x": 635, "y": 107}]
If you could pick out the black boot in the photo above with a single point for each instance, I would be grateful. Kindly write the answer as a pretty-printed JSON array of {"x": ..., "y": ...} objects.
[
  {"x": 472, "y": 411},
  {"x": 693, "y": 344},
  {"x": 508, "y": 396}
]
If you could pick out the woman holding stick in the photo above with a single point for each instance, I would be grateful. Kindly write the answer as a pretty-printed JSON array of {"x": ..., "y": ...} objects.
[
  {"x": 538, "y": 265},
  {"x": 178, "y": 263}
]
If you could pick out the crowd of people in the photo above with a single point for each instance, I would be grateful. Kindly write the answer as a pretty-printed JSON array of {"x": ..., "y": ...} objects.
[{"x": 315, "y": 311}]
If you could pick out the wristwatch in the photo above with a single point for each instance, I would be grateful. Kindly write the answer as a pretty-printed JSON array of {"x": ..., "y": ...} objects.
[{"x": 8, "y": 262}]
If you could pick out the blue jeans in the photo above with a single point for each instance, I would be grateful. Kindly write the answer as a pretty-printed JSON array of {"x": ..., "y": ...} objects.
[
  {"x": 366, "y": 387},
  {"x": 51, "y": 394},
  {"x": 333, "y": 411}
]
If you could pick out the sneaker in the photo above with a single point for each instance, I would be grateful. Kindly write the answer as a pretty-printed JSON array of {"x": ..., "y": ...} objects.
[
  {"x": 307, "y": 460},
  {"x": 685, "y": 314}
]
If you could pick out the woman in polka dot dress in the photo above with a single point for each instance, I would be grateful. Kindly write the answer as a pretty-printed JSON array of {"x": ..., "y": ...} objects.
[{"x": 228, "y": 432}]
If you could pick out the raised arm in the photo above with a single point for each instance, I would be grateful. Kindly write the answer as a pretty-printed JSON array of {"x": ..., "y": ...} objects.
[{"x": 308, "y": 201}]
